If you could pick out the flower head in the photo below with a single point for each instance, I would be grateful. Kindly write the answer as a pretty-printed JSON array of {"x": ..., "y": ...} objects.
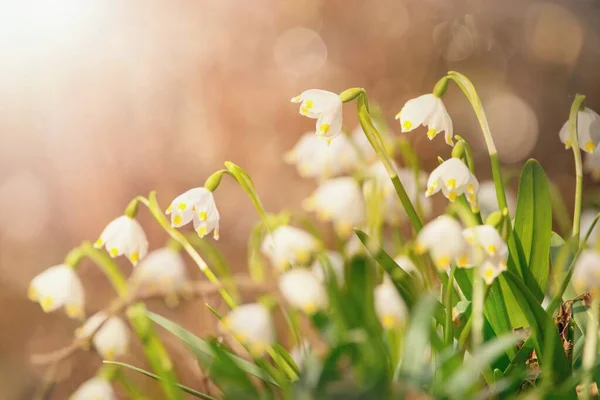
[
  {"x": 586, "y": 277},
  {"x": 453, "y": 178},
  {"x": 488, "y": 200},
  {"x": 443, "y": 238},
  {"x": 196, "y": 205},
  {"x": 592, "y": 165},
  {"x": 339, "y": 200},
  {"x": 389, "y": 306},
  {"x": 58, "y": 286},
  {"x": 111, "y": 340},
  {"x": 162, "y": 268},
  {"x": 588, "y": 131},
  {"x": 303, "y": 290},
  {"x": 325, "y": 107},
  {"x": 314, "y": 159},
  {"x": 289, "y": 245},
  {"x": 124, "y": 235},
  {"x": 587, "y": 219},
  {"x": 487, "y": 249},
  {"x": 427, "y": 110},
  {"x": 252, "y": 326},
  {"x": 95, "y": 388},
  {"x": 336, "y": 261}
]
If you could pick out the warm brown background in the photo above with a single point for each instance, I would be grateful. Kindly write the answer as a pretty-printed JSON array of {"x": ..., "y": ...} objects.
[{"x": 103, "y": 100}]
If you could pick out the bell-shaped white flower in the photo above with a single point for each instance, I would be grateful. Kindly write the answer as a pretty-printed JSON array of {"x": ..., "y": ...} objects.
[
  {"x": 408, "y": 266},
  {"x": 488, "y": 201},
  {"x": 486, "y": 249},
  {"x": 587, "y": 219},
  {"x": 361, "y": 143},
  {"x": 161, "y": 268},
  {"x": 339, "y": 200},
  {"x": 58, "y": 286},
  {"x": 443, "y": 238},
  {"x": 197, "y": 205},
  {"x": 124, "y": 235},
  {"x": 111, "y": 340},
  {"x": 252, "y": 326},
  {"x": 336, "y": 262},
  {"x": 96, "y": 388},
  {"x": 289, "y": 245},
  {"x": 315, "y": 159},
  {"x": 389, "y": 306},
  {"x": 453, "y": 178},
  {"x": 325, "y": 107},
  {"x": 586, "y": 276},
  {"x": 588, "y": 130},
  {"x": 592, "y": 165},
  {"x": 303, "y": 290},
  {"x": 427, "y": 110}
]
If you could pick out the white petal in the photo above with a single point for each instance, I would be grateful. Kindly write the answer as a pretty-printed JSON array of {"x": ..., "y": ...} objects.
[
  {"x": 336, "y": 261},
  {"x": 289, "y": 245},
  {"x": 329, "y": 124},
  {"x": 111, "y": 340},
  {"x": 416, "y": 111},
  {"x": 252, "y": 325},
  {"x": 58, "y": 286},
  {"x": 303, "y": 290},
  {"x": 163, "y": 267},
  {"x": 95, "y": 388},
  {"x": 340, "y": 200},
  {"x": 389, "y": 306}
]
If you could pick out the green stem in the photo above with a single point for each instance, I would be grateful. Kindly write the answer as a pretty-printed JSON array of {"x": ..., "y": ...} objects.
[
  {"x": 449, "y": 288},
  {"x": 478, "y": 302},
  {"x": 576, "y": 106},
  {"x": 591, "y": 348}
]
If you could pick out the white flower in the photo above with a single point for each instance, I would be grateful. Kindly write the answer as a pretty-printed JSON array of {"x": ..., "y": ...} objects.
[
  {"x": 362, "y": 144},
  {"x": 336, "y": 261},
  {"x": 588, "y": 130},
  {"x": 427, "y": 110},
  {"x": 289, "y": 245},
  {"x": 389, "y": 306},
  {"x": 586, "y": 277},
  {"x": 587, "y": 218},
  {"x": 94, "y": 389},
  {"x": 443, "y": 238},
  {"x": 196, "y": 205},
  {"x": 300, "y": 352},
  {"x": 124, "y": 235},
  {"x": 58, "y": 286},
  {"x": 486, "y": 249},
  {"x": 488, "y": 201},
  {"x": 325, "y": 107},
  {"x": 339, "y": 200},
  {"x": 111, "y": 340},
  {"x": 453, "y": 178},
  {"x": 314, "y": 159},
  {"x": 592, "y": 165},
  {"x": 393, "y": 210},
  {"x": 303, "y": 290},
  {"x": 408, "y": 266},
  {"x": 162, "y": 268},
  {"x": 252, "y": 326}
]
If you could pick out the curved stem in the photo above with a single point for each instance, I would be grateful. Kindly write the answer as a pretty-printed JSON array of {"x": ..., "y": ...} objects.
[
  {"x": 478, "y": 304},
  {"x": 591, "y": 348},
  {"x": 575, "y": 108},
  {"x": 449, "y": 328}
]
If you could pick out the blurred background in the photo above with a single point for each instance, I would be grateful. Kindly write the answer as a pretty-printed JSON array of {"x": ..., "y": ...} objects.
[{"x": 104, "y": 100}]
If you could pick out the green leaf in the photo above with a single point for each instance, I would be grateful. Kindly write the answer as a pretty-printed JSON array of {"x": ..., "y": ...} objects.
[
  {"x": 156, "y": 377},
  {"x": 203, "y": 351},
  {"x": 533, "y": 226}
]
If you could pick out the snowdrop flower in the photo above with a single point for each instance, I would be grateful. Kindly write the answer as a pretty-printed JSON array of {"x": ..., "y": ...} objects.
[
  {"x": 303, "y": 290},
  {"x": 443, "y": 238},
  {"x": 427, "y": 110},
  {"x": 124, "y": 235},
  {"x": 162, "y": 268},
  {"x": 453, "y": 178},
  {"x": 592, "y": 165},
  {"x": 314, "y": 159},
  {"x": 58, "y": 286},
  {"x": 361, "y": 143},
  {"x": 252, "y": 326},
  {"x": 339, "y": 200},
  {"x": 408, "y": 266},
  {"x": 586, "y": 277},
  {"x": 289, "y": 245},
  {"x": 488, "y": 201},
  {"x": 197, "y": 205},
  {"x": 587, "y": 219},
  {"x": 111, "y": 340},
  {"x": 486, "y": 249},
  {"x": 94, "y": 389},
  {"x": 389, "y": 306},
  {"x": 588, "y": 130},
  {"x": 336, "y": 261},
  {"x": 325, "y": 107}
]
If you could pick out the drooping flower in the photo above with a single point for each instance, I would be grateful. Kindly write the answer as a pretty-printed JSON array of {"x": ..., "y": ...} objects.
[
  {"x": 453, "y": 178},
  {"x": 592, "y": 165},
  {"x": 488, "y": 201},
  {"x": 586, "y": 276},
  {"x": 408, "y": 266},
  {"x": 314, "y": 159},
  {"x": 486, "y": 249},
  {"x": 252, "y": 326},
  {"x": 587, "y": 219},
  {"x": 289, "y": 245},
  {"x": 124, "y": 235},
  {"x": 336, "y": 261},
  {"x": 427, "y": 110},
  {"x": 325, "y": 107},
  {"x": 389, "y": 306},
  {"x": 111, "y": 340},
  {"x": 58, "y": 286},
  {"x": 443, "y": 238},
  {"x": 588, "y": 130},
  {"x": 339, "y": 200},
  {"x": 96, "y": 388},
  {"x": 303, "y": 290},
  {"x": 361, "y": 143},
  {"x": 197, "y": 205},
  {"x": 162, "y": 268}
]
